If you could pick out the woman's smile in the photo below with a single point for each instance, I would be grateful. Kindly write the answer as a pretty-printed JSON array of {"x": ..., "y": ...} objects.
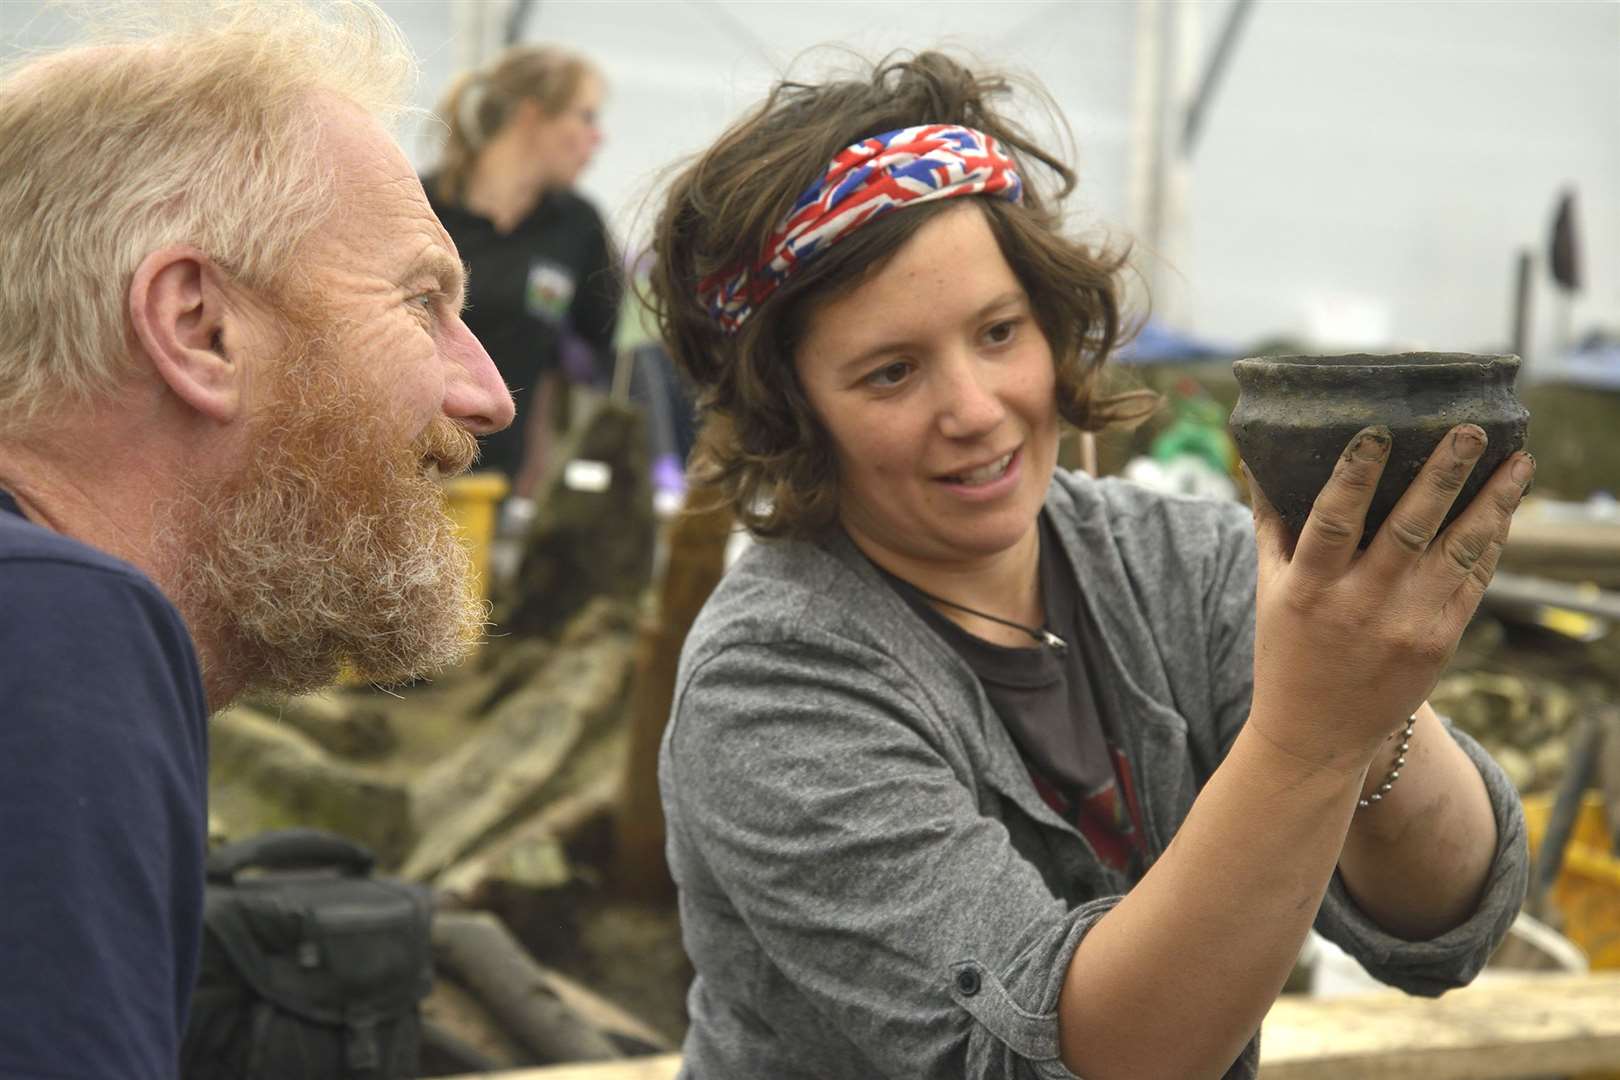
[{"x": 989, "y": 481}]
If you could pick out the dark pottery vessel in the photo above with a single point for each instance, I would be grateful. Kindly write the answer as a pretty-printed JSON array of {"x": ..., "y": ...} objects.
[{"x": 1296, "y": 414}]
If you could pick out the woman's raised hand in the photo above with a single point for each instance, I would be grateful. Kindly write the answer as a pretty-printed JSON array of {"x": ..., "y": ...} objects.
[{"x": 1348, "y": 644}]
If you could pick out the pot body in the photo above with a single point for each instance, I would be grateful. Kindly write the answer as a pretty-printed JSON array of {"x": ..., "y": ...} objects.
[{"x": 1296, "y": 414}]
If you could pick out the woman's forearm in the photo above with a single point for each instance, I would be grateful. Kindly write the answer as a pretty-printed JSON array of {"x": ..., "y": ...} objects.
[
  {"x": 1417, "y": 861},
  {"x": 1176, "y": 979}
]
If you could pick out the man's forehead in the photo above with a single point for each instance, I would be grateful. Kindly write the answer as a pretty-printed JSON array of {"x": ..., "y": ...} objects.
[
  {"x": 362, "y": 154},
  {"x": 380, "y": 197}
]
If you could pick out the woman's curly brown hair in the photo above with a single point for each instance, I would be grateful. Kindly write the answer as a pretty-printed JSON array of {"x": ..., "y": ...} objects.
[{"x": 761, "y": 448}]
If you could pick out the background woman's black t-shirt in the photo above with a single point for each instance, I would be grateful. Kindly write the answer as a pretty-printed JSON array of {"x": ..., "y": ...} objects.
[{"x": 552, "y": 281}]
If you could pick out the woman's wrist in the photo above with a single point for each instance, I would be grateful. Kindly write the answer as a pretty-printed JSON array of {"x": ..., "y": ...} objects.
[
  {"x": 1424, "y": 775},
  {"x": 1318, "y": 745},
  {"x": 1333, "y": 774},
  {"x": 1386, "y": 768}
]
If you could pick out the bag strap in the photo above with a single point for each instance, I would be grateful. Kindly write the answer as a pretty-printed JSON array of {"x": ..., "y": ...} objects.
[{"x": 289, "y": 848}]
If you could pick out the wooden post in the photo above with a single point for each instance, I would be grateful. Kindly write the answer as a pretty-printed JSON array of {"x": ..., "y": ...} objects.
[
  {"x": 1088, "y": 453},
  {"x": 697, "y": 549}
]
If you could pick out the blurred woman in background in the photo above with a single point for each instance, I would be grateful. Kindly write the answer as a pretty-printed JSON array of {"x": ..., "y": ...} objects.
[{"x": 542, "y": 278}]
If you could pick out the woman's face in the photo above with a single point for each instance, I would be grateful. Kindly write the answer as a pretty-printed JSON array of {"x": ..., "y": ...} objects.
[
  {"x": 567, "y": 141},
  {"x": 937, "y": 389}
]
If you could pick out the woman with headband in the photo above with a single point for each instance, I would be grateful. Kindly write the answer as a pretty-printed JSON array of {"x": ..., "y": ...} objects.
[
  {"x": 518, "y": 133},
  {"x": 981, "y": 769}
]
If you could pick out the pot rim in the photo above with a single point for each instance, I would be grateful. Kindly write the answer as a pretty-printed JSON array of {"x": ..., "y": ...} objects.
[{"x": 1339, "y": 363}]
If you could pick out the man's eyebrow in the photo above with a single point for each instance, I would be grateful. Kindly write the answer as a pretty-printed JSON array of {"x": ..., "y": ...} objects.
[{"x": 436, "y": 262}]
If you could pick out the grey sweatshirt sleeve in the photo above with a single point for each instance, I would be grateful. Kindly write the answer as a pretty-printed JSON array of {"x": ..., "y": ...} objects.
[
  {"x": 820, "y": 791},
  {"x": 1229, "y": 596},
  {"x": 1455, "y": 957}
]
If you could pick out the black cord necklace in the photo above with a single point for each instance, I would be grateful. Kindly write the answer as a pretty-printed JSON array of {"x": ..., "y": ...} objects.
[{"x": 1041, "y": 634}]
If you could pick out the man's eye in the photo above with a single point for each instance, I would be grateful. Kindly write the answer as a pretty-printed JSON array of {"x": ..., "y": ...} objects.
[{"x": 889, "y": 375}]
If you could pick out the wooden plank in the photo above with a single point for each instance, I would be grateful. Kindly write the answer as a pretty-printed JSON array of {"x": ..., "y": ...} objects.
[
  {"x": 1513, "y": 1026},
  {"x": 1541, "y": 534},
  {"x": 1498, "y": 1029},
  {"x": 660, "y": 1067},
  {"x": 1573, "y": 551}
]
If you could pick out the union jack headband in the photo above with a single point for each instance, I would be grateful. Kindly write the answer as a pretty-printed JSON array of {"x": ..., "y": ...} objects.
[{"x": 865, "y": 181}]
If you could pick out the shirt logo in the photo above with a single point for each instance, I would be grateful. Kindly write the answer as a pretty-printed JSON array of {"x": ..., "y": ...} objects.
[{"x": 550, "y": 291}]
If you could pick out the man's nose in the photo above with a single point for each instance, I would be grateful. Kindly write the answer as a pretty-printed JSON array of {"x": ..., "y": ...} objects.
[{"x": 474, "y": 392}]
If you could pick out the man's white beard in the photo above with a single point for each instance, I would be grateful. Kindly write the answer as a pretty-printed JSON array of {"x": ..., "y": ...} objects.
[{"x": 331, "y": 548}]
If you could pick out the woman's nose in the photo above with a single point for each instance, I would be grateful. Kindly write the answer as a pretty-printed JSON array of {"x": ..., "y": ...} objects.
[{"x": 971, "y": 405}]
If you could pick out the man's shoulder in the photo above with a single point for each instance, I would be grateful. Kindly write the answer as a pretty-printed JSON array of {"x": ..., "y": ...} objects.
[
  {"x": 29, "y": 552},
  {"x": 66, "y": 599},
  {"x": 103, "y": 785}
]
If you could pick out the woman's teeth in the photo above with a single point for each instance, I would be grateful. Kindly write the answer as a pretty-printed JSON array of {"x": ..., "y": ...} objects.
[{"x": 986, "y": 473}]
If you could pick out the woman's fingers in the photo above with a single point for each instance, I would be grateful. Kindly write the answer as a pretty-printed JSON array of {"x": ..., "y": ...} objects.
[
  {"x": 1272, "y": 540},
  {"x": 1413, "y": 523},
  {"x": 1463, "y": 560},
  {"x": 1270, "y": 534},
  {"x": 1332, "y": 532},
  {"x": 1460, "y": 606}
]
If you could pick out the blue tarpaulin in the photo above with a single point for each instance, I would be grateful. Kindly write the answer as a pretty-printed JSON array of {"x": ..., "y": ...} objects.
[{"x": 1159, "y": 344}]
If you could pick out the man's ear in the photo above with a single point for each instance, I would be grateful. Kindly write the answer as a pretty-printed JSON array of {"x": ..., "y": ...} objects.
[{"x": 179, "y": 307}]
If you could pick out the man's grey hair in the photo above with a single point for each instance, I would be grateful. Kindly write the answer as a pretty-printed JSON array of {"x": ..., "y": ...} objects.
[{"x": 186, "y": 122}]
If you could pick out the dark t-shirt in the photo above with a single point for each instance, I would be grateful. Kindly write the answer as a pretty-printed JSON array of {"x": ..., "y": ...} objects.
[
  {"x": 1045, "y": 698},
  {"x": 549, "y": 281},
  {"x": 103, "y": 813}
]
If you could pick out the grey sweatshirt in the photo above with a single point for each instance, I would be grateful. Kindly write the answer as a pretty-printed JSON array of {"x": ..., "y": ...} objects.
[{"x": 870, "y": 885}]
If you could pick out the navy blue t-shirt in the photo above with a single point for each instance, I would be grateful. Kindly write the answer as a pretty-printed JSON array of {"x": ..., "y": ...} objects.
[{"x": 103, "y": 813}]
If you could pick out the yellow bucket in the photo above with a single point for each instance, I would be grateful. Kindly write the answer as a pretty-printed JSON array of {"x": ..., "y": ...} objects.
[
  {"x": 1587, "y": 891},
  {"x": 472, "y": 501}
]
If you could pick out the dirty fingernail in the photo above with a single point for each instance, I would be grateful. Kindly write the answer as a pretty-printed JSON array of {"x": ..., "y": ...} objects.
[
  {"x": 1523, "y": 469},
  {"x": 1371, "y": 444},
  {"x": 1468, "y": 442}
]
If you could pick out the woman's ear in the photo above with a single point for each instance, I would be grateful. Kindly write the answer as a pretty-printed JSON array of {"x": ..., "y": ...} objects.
[
  {"x": 179, "y": 305},
  {"x": 526, "y": 110}
]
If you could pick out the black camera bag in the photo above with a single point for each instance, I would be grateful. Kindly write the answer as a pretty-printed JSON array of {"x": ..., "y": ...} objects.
[{"x": 311, "y": 970}]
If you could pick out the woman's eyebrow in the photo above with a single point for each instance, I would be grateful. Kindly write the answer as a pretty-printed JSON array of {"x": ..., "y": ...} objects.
[{"x": 889, "y": 345}]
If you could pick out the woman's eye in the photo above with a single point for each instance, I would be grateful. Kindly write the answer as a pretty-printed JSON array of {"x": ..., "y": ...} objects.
[
  {"x": 1002, "y": 332},
  {"x": 889, "y": 375}
]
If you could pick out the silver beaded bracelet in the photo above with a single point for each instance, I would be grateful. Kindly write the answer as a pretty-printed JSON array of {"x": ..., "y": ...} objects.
[{"x": 1394, "y": 770}]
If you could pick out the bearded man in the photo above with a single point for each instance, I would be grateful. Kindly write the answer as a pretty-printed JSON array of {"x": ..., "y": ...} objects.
[{"x": 232, "y": 369}]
